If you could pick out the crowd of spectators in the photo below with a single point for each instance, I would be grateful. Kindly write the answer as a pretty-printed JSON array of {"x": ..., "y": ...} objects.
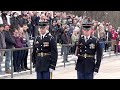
[{"x": 17, "y": 28}]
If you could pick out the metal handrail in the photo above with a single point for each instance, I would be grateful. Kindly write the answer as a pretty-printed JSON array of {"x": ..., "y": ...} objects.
[
  {"x": 70, "y": 45},
  {"x": 17, "y": 49},
  {"x": 27, "y": 48}
]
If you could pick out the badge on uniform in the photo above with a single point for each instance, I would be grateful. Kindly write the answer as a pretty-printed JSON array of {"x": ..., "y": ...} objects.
[
  {"x": 45, "y": 44},
  {"x": 92, "y": 46}
]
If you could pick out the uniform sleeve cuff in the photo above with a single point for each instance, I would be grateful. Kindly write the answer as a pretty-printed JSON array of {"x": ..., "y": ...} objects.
[
  {"x": 52, "y": 66},
  {"x": 96, "y": 70}
]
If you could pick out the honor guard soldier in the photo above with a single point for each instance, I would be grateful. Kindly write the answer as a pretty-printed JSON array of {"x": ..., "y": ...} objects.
[
  {"x": 87, "y": 48},
  {"x": 45, "y": 52}
]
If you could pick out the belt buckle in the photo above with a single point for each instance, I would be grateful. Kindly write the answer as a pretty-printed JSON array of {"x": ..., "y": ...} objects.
[
  {"x": 85, "y": 55},
  {"x": 41, "y": 54}
]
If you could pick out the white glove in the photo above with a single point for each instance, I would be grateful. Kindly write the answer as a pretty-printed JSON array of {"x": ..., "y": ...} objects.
[
  {"x": 51, "y": 70},
  {"x": 74, "y": 57},
  {"x": 95, "y": 73}
]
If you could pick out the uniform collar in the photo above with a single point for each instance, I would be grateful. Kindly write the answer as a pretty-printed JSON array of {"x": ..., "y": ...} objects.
[
  {"x": 43, "y": 35},
  {"x": 87, "y": 37}
]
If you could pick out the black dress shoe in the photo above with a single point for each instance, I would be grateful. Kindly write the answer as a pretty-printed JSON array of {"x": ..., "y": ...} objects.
[
  {"x": 67, "y": 61},
  {"x": 15, "y": 70},
  {"x": 23, "y": 69},
  {"x": 19, "y": 70}
]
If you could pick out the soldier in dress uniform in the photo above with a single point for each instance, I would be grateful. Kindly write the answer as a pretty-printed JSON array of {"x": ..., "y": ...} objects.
[
  {"x": 87, "y": 48},
  {"x": 45, "y": 52}
]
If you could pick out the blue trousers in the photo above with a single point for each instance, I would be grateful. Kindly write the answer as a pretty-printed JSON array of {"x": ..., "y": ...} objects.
[
  {"x": 16, "y": 60},
  {"x": 81, "y": 75},
  {"x": 7, "y": 60},
  {"x": 24, "y": 58},
  {"x": 43, "y": 75}
]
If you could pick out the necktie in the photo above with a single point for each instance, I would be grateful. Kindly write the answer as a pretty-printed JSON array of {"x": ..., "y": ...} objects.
[{"x": 42, "y": 37}]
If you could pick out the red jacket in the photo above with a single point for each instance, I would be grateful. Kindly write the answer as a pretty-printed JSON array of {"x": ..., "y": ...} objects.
[{"x": 114, "y": 35}]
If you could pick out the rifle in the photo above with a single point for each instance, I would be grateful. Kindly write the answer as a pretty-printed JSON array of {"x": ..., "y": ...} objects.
[
  {"x": 50, "y": 75},
  {"x": 77, "y": 43}
]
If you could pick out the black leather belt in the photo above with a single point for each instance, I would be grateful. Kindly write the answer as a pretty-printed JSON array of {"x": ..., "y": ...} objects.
[
  {"x": 86, "y": 55},
  {"x": 42, "y": 54}
]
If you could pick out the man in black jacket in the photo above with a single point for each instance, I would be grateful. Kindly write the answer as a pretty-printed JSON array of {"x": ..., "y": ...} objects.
[
  {"x": 65, "y": 40},
  {"x": 15, "y": 21},
  {"x": 44, "y": 53},
  {"x": 87, "y": 48},
  {"x": 108, "y": 37},
  {"x": 2, "y": 45},
  {"x": 10, "y": 42}
]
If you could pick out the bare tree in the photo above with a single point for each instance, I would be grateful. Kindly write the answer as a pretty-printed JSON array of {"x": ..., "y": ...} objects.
[{"x": 108, "y": 16}]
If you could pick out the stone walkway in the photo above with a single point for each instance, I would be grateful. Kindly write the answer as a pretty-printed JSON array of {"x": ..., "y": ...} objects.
[{"x": 110, "y": 69}]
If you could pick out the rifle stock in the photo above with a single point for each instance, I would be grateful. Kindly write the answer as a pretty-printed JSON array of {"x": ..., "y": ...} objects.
[
  {"x": 50, "y": 75},
  {"x": 76, "y": 51},
  {"x": 77, "y": 44}
]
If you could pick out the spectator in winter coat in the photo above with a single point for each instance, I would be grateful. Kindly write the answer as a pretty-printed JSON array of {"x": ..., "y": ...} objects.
[
  {"x": 10, "y": 43},
  {"x": 2, "y": 45}
]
